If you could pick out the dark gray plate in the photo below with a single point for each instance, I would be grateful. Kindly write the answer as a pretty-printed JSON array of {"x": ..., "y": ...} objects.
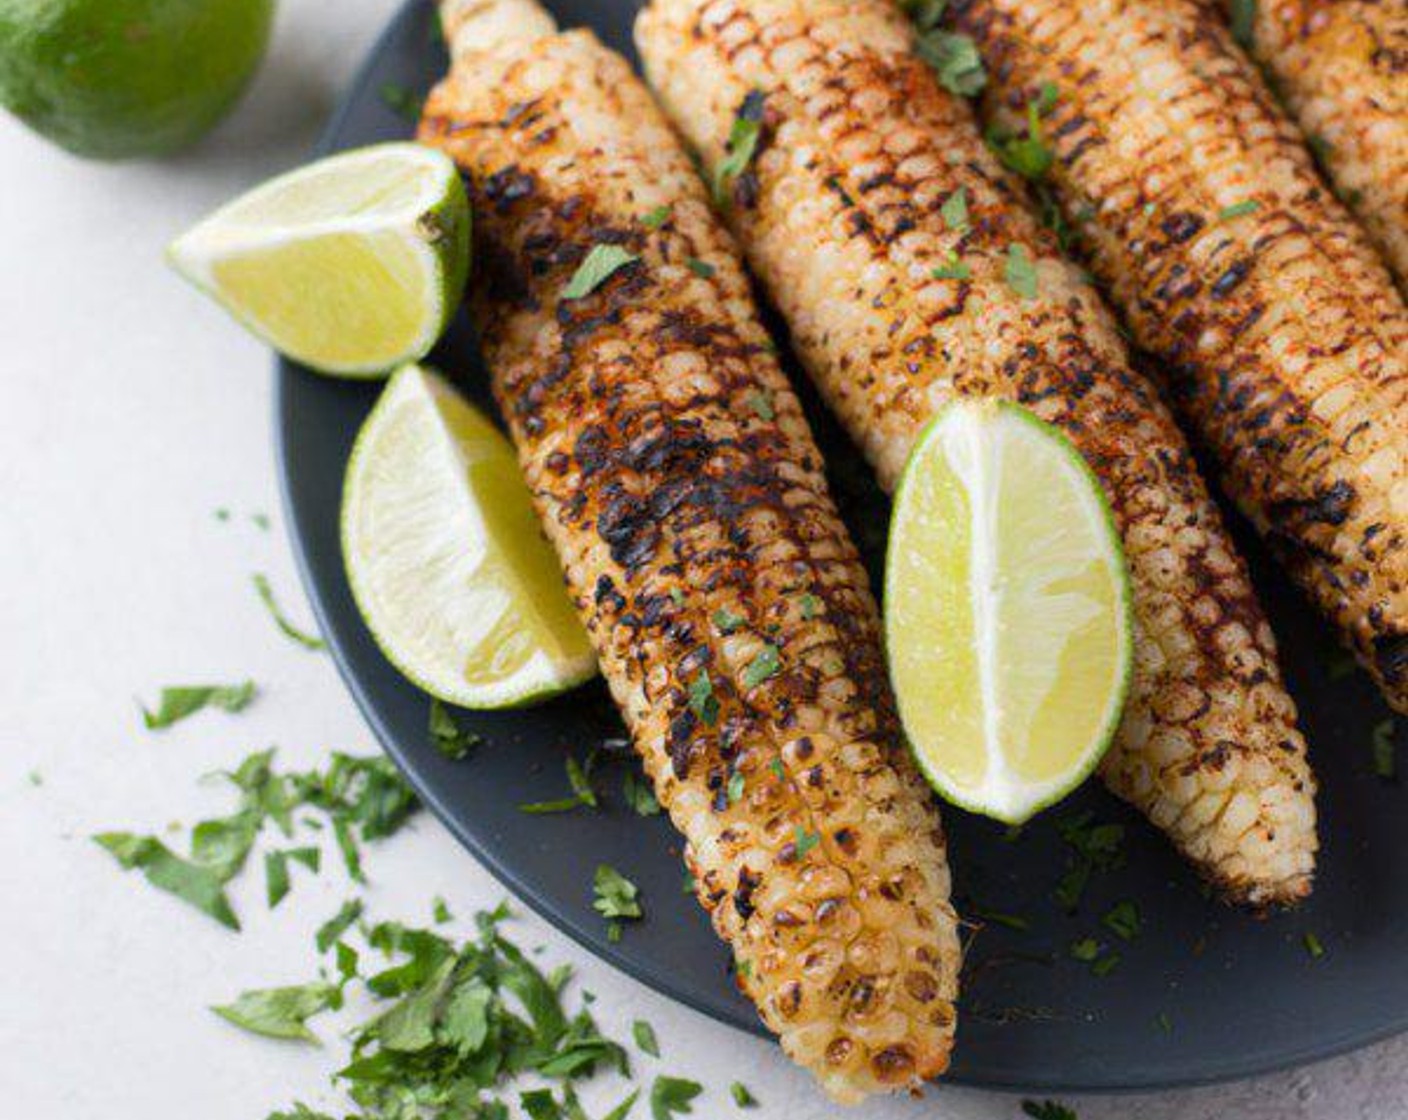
[{"x": 1204, "y": 994}]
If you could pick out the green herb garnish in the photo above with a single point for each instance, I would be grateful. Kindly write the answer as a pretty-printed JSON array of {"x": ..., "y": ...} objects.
[
  {"x": 1313, "y": 946},
  {"x": 997, "y": 917},
  {"x": 727, "y": 621},
  {"x": 1238, "y": 209},
  {"x": 763, "y": 666},
  {"x": 401, "y": 100},
  {"x": 331, "y": 930},
  {"x": 615, "y": 895},
  {"x": 448, "y": 737},
  {"x": 700, "y": 268},
  {"x": 953, "y": 269},
  {"x": 804, "y": 841},
  {"x": 1385, "y": 759},
  {"x": 281, "y": 1012},
  {"x": 702, "y": 701},
  {"x": 579, "y": 777},
  {"x": 191, "y": 882},
  {"x": 644, "y": 1035},
  {"x": 1047, "y": 1110},
  {"x": 742, "y": 145},
  {"x": 761, "y": 403},
  {"x": 179, "y": 701},
  {"x": 672, "y": 1095},
  {"x": 1094, "y": 847},
  {"x": 266, "y": 596},
  {"x": 1123, "y": 920},
  {"x": 276, "y": 878},
  {"x": 1106, "y": 964},
  {"x": 811, "y": 606},
  {"x": 736, "y": 784},
  {"x": 954, "y": 211},
  {"x": 1085, "y": 950},
  {"x": 1244, "y": 22},
  {"x": 639, "y": 796},
  {"x": 1020, "y": 272},
  {"x": 955, "y": 61},
  {"x": 596, "y": 268},
  {"x": 657, "y": 217},
  {"x": 741, "y": 1096}
]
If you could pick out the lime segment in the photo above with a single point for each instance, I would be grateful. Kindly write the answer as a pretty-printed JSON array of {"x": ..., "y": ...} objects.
[
  {"x": 1007, "y": 611},
  {"x": 352, "y": 265},
  {"x": 445, "y": 556}
]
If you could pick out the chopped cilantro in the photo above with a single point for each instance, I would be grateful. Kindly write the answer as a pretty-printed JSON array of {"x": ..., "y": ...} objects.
[
  {"x": 1085, "y": 950},
  {"x": 953, "y": 269},
  {"x": 644, "y": 1034},
  {"x": 672, "y": 1095},
  {"x": 763, "y": 666},
  {"x": 639, "y": 796},
  {"x": 191, "y": 882},
  {"x": 1385, "y": 760},
  {"x": 657, "y": 217},
  {"x": 677, "y": 596},
  {"x": 688, "y": 884},
  {"x": 1094, "y": 847},
  {"x": 266, "y": 596},
  {"x": 954, "y": 211},
  {"x": 1047, "y": 1110},
  {"x": 1238, "y": 209},
  {"x": 996, "y": 917},
  {"x": 1123, "y": 920},
  {"x": 955, "y": 61},
  {"x": 1313, "y": 946},
  {"x": 736, "y": 783},
  {"x": 1163, "y": 1022},
  {"x": 596, "y": 268},
  {"x": 404, "y": 102},
  {"x": 35, "y": 778},
  {"x": 699, "y": 268},
  {"x": 615, "y": 895},
  {"x": 776, "y": 767},
  {"x": 761, "y": 403},
  {"x": 925, "y": 13},
  {"x": 702, "y": 701},
  {"x": 1106, "y": 964},
  {"x": 448, "y": 737},
  {"x": 329, "y": 932},
  {"x": 1027, "y": 154},
  {"x": 222, "y": 514},
  {"x": 727, "y": 621},
  {"x": 805, "y": 841},
  {"x": 180, "y": 701},
  {"x": 1244, "y": 22},
  {"x": 742, "y": 145},
  {"x": 281, "y": 1012},
  {"x": 1020, "y": 272},
  {"x": 811, "y": 606},
  {"x": 276, "y": 880},
  {"x": 741, "y": 1096},
  {"x": 579, "y": 777}
]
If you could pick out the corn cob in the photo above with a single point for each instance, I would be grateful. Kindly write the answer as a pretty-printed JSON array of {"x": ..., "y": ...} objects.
[
  {"x": 1284, "y": 341},
  {"x": 675, "y": 474},
  {"x": 898, "y": 299},
  {"x": 1342, "y": 68}
]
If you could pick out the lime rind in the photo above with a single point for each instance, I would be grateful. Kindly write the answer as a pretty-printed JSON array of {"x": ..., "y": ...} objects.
[
  {"x": 1034, "y": 797},
  {"x": 562, "y": 660},
  {"x": 425, "y": 214}
]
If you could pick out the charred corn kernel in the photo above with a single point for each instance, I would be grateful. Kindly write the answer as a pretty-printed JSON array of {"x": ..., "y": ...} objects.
[
  {"x": 848, "y": 214},
  {"x": 674, "y": 500},
  {"x": 1284, "y": 342},
  {"x": 1341, "y": 66}
]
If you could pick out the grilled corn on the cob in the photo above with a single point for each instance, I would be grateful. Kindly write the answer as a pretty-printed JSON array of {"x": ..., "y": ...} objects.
[
  {"x": 1284, "y": 341},
  {"x": 1342, "y": 68},
  {"x": 675, "y": 475},
  {"x": 895, "y": 247}
]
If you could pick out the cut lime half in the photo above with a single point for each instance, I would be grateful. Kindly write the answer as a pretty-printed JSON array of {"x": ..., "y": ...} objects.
[
  {"x": 1007, "y": 617},
  {"x": 445, "y": 556},
  {"x": 352, "y": 265}
]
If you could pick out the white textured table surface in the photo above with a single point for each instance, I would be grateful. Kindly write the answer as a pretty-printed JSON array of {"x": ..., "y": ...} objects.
[{"x": 134, "y": 410}]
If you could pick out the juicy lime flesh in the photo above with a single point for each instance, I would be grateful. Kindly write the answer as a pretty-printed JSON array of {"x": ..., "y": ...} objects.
[
  {"x": 378, "y": 180},
  {"x": 1006, "y": 616},
  {"x": 339, "y": 299},
  {"x": 448, "y": 561},
  {"x": 114, "y": 79}
]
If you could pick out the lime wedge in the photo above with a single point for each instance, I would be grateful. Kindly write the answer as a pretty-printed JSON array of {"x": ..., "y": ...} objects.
[
  {"x": 1007, "y": 617},
  {"x": 352, "y": 265},
  {"x": 446, "y": 560}
]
